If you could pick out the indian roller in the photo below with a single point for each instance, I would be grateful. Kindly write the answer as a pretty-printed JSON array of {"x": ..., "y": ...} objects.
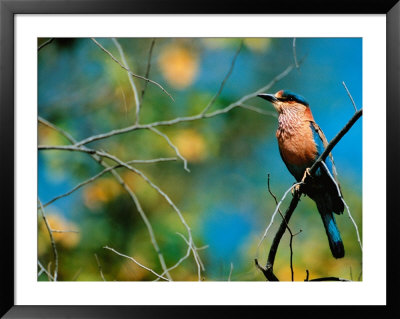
[{"x": 301, "y": 141}]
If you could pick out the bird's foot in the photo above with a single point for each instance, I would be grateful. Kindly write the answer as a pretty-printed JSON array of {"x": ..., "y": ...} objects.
[
  {"x": 297, "y": 187},
  {"x": 306, "y": 175}
]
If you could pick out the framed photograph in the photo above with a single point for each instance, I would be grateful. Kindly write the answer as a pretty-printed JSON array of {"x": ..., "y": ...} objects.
[{"x": 167, "y": 154}]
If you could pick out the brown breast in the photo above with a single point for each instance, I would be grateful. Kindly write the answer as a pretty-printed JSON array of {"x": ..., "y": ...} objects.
[{"x": 297, "y": 144}]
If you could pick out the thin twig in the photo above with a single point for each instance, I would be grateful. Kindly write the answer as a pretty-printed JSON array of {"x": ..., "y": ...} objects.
[
  {"x": 258, "y": 110},
  {"x": 136, "y": 262},
  {"x": 335, "y": 140},
  {"x": 199, "y": 265},
  {"x": 53, "y": 243},
  {"x": 294, "y": 54},
  {"x": 100, "y": 269},
  {"x": 345, "y": 204},
  {"x": 324, "y": 278},
  {"x": 230, "y": 272},
  {"x": 185, "y": 167},
  {"x": 52, "y": 126},
  {"x": 329, "y": 279},
  {"x": 225, "y": 79},
  {"x": 77, "y": 274},
  {"x": 130, "y": 77},
  {"x": 106, "y": 170},
  {"x": 128, "y": 70},
  {"x": 64, "y": 231},
  {"x": 351, "y": 98},
  {"x": 275, "y": 212},
  {"x": 148, "y": 68},
  {"x": 42, "y": 269},
  {"x": 45, "y": 43},
  {"x": 287, "y": 227},
  {"x": 182, "y": 259}
]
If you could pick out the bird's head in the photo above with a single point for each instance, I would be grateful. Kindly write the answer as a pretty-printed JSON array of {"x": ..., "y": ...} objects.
[{"x": 286, "y": 100}]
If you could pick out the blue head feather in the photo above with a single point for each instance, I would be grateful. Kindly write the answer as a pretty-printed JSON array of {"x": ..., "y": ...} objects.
[{"x": 289, "y": 95}]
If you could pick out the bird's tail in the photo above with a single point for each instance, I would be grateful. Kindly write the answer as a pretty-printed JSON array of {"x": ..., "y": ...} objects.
[{"x": 332, "y": 231}]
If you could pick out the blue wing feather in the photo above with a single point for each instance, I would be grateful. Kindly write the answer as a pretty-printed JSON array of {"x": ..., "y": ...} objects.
[{"x": 320, "y": 140}]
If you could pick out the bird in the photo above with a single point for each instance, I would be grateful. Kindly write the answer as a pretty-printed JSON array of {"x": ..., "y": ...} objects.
[{"x": 301, "y": 141}]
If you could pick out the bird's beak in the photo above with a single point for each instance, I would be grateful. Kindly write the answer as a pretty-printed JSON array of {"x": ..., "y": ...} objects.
[{"x": 269, "y": 97}]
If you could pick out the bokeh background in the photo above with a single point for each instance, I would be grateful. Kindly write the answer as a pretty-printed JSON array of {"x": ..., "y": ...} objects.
[{"x": 224, "y": 198}]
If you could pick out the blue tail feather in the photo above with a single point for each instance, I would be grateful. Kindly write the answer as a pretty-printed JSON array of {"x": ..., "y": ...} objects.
[{"x": 332, "y": 231}]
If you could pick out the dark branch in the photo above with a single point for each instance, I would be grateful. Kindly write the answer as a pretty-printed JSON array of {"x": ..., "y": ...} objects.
[
  {"x": 335, "y": 140},
  {"x": 45, "y": 43}
]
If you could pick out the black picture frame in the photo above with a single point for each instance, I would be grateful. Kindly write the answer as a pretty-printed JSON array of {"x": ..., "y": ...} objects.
[{"x": 8, "y": 10}]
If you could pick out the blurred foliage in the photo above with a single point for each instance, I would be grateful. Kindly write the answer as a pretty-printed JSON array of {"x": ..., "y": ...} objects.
[{"x": 224, "y": 198}]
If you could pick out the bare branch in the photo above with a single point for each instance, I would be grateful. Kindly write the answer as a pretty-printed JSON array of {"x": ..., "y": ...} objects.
[
  {"x": 345, "y": 204},
  {"x": 351, "y": 98},
  {"x": 100, "y": 269},
  {"x": 180, "y": 260},
  {"x": 257, "y": 110},
  {"x": 335, "y": 140},
  {"x": 106, "y": 170},
  {"x": 65, "y": 231},
  {"x": 42, "y": 269},
  {"x": 62, "y": 132},
  {"x": 230, "y": 272},
  {"x": 287, "y": 227},
  {"x": 276, "y": 210},
  {"x": 45, "y": 43},
  {"x": 188, "y": 118},
  {"x": 147, "y": 71},
  {"x": 294, "y": 54},
  {"x": 53, "y": 243},
  {"x": 225, "y": 79},
  {"x": 130, "y": 76},
  {"x": 129, "y": 71},
  {"x": 136, "y": 262},
  {"x": 195, "y": 255},
  {"x": 173, "y": 146},
  {"x": 67, "y": 148}
]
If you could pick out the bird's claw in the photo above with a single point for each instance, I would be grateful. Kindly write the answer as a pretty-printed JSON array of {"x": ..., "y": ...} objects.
[
  {"x": 297, "y": 187},
  {"x": 306, "y": 174}
]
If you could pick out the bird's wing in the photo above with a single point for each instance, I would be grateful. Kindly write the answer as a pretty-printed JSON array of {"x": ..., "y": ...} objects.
[{"x": 322, "y": 143}]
